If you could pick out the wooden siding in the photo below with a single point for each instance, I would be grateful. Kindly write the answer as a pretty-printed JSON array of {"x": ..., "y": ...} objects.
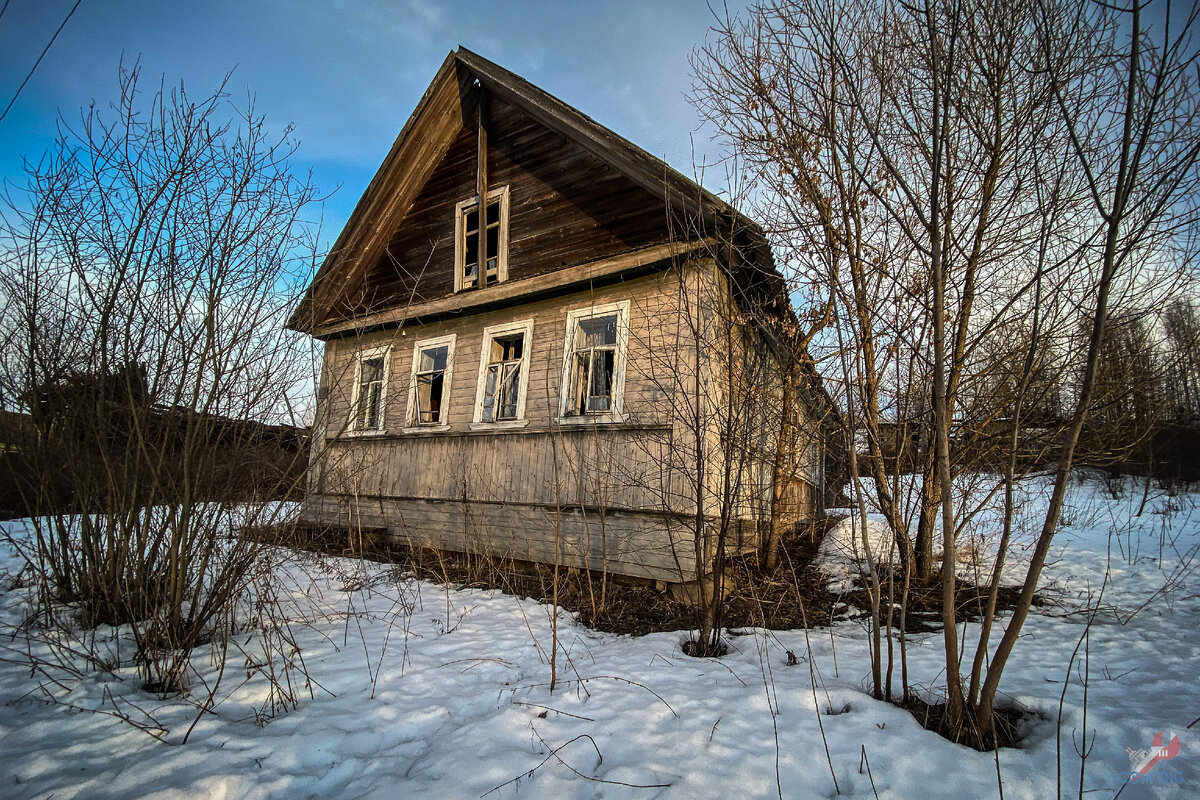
[
  {"x": 653, "y": 322},
  {"x": 614, "y": 466},
  {"x": 567, "y": 208},
  {"x": 641, "y": 545},
  {"x": 516, "y": 484},
  {"x": 797, "y": 503},
  {"x": 621, "y": 465}
]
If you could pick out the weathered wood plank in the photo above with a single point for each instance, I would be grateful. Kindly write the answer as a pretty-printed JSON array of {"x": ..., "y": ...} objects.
[
  {"x": 562, "y": 280},
  {"x": 567, "y": 208},
  {"x": 631, "y": 544}
]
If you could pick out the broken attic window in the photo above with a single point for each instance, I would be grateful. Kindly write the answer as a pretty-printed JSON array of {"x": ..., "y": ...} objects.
[{"x": 494, "y": 228}]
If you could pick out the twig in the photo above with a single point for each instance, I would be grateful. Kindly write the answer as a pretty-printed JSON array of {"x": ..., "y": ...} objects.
[
  {"x": 555, "y": 710},
  {"x": 764, "y": 662},
  {"x": 864, "y": 760},
  {"x": 812, "y": 677},
  {"x": 582, "y": 680},
  {"x": 475, "y": 662},
  {"x": 33, "y": 69},
  {"x": 664, "y": 659},
  {"x": 600, "y": 761},
  {"x": 554, "y": 753},
  {"x": 730, "y": 671},
  {"x": 996, "y": 755}
]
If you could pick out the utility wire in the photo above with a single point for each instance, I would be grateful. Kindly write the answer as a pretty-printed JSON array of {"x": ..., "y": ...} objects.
[{"x": 39, "y": 61}]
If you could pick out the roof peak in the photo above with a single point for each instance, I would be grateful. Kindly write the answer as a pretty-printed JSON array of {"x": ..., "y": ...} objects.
[{"x": 434, "y": 122}]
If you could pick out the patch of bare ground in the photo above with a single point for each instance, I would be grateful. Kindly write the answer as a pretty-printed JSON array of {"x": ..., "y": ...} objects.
[
  {"x": 924, "y": 604},
  {"x": 1005, "y": 730},
  {"x": 794, "y": 595}
]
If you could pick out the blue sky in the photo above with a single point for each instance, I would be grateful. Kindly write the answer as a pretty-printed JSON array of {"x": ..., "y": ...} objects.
[{"x": 347, "y": 73}]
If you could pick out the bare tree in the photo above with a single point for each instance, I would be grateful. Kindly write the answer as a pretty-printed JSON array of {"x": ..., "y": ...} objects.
[
  {"x": 1130, "y": 102},
  {"x": 732, "y": 437},
  {"x": 943, "y": 175},
  {"x": 147, "y": 272},
  {"x": 1182, "y": 327}
]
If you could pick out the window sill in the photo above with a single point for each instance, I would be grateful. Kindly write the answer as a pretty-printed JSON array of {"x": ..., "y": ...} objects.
[
  {"x": 491, "y": 282},
  {"x": 503, "y": 425},
  {"x": 419, "y": 429},
  {"x": 361, "y": 432},
  {"x": 590, "y": 419}
]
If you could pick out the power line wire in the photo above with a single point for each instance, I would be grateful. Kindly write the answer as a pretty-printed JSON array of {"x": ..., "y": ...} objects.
[{"x": 39, "y": 60}]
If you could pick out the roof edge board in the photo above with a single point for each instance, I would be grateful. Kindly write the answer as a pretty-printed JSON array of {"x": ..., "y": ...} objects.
[
  {"x": 368, "y": 197},
  {"x": 378, "y": 203},
  {"x": 652, "y": 173}
]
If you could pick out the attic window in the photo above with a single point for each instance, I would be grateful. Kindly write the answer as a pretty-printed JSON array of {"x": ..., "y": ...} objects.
[{"x": 467, "y": 240}]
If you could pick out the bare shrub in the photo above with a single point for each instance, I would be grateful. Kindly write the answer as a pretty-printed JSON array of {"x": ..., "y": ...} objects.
[{"x": 147, "y": 271}]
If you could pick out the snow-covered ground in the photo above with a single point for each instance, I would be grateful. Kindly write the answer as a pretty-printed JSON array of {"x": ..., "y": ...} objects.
[{"x": 422, "y": 691}]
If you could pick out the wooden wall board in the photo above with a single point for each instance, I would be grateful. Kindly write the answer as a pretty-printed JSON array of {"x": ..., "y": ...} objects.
[
  {"x": 567, "y": 208},
  {"x": 640, "y": 545}
]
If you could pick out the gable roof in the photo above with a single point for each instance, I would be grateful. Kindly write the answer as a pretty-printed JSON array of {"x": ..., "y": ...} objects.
[{"x": 427, "y": 135}]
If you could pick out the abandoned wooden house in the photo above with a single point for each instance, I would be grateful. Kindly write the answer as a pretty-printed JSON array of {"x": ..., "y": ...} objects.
[{"x": 544, "y": 344}]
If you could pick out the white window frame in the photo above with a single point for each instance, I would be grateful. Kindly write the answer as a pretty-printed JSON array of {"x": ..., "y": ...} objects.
[
  {"x": 412, "y": 423},
  {"x": 385, "y": 353},
  {"x": 460, "y": 237},
  {"x": 524, "y": 327},
  {"x": 574, "y": 316}
]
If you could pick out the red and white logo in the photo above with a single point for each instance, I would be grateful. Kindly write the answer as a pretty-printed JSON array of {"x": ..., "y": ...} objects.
[{"x": 1142, "y": 761}]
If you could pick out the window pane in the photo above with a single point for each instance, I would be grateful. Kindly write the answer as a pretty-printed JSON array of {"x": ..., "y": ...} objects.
[
  {"x": 597, "y": 331},
  {"x": 429, "y": 398},
  {"x": 600, "y": 383},
  {"x": 370, "y": 391},
  {"x": 507, "y": 348},
  {"x": 362, "y": 419},
  {"x": 472, "y": 250},
  {"x": 372, "y": 370},
  {"x": 493, "y": 249},
  {"x": 424, "y": 387},
  {"x": 493, "y": 213},
  {"x": 433, "y": 359},
  {"x": 368, "y": 406},
  {"x": 579, "y": 375},
  {"x": 489, "y": 394},
  {"x": 506, "y": 401},
  {"x": 471, "y": 221}
]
